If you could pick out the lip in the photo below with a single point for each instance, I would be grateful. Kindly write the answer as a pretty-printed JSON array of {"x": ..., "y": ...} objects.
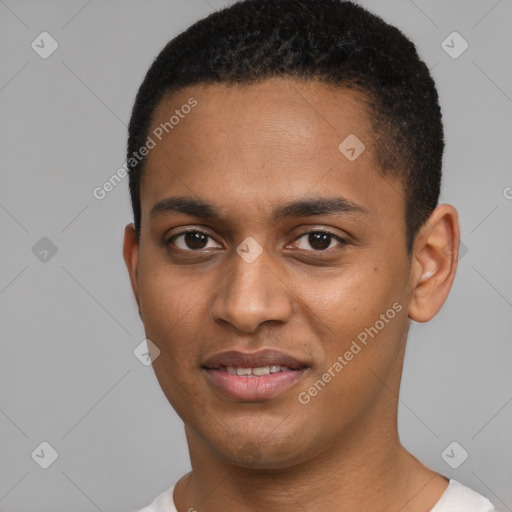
[
  {"x": 257, "y": 359},
  {"x": 252, "y": 387}
]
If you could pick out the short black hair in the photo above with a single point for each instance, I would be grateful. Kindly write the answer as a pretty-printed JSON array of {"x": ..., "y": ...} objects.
[{"x": 337, "y": 42}]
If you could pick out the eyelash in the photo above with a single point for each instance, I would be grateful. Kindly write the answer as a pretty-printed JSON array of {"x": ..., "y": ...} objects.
[{"x": 342, "y": 241}]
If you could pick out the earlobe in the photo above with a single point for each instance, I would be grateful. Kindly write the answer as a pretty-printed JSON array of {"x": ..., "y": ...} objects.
[
  {"x": 435, "y": 255},
  {"x": 131, "y": 259}
]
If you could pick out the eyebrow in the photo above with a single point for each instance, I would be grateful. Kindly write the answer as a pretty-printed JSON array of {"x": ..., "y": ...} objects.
[{"x": 300, "y": 208}]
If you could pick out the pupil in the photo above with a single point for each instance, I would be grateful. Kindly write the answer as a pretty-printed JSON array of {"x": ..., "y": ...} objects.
[
  {"x": 319, "y": 240},
  {"x": 195, "y": 240}
]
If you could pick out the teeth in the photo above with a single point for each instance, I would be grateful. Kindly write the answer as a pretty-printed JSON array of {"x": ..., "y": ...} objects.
[{"x": 262, "y": 370}]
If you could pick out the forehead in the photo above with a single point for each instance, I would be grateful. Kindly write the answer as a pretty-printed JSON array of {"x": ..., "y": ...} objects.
[
  {"x": 276, "y": 138},
  {"x": 294, "y": 116}
]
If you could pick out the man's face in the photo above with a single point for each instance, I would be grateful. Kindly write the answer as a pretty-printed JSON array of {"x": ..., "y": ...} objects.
[{"x": 257, "y": 278}]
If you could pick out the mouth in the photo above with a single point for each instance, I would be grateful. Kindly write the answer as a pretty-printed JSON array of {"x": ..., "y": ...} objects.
[{"x": 253, "y": 376}]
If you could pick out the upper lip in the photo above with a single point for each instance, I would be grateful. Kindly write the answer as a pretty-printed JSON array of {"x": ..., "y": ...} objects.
[{"x": 237, "y": 359}]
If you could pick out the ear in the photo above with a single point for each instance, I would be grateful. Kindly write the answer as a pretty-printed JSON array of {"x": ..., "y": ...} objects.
[
  {"x": 434, "y": 263},
  {"x": 131, "y": 259}
]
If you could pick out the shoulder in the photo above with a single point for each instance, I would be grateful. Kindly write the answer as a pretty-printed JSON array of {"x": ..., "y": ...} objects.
[
  {"x": 458, "y": 497},
  {"x": 162, "y": 503}
]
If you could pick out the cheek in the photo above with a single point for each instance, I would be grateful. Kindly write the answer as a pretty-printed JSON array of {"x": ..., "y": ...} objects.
[
  {"x": 356, "y": 298},
  {"x": 361, "y": 317},
  {"x": 172, "y": 314},
  {"x": 356, "y": 362},
  {"x": 170, "y": 307}
]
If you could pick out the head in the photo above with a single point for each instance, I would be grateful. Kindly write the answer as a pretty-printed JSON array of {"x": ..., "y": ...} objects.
[{"x": 304, "y": 161}]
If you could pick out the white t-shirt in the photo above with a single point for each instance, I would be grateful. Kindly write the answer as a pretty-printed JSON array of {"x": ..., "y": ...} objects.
[{"x": 456, "y": 498}]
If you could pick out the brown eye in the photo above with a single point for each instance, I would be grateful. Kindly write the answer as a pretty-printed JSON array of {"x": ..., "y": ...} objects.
[
  {"x": 318, "y": 240},
  {"x": 195, "y": 240},
  {"x": 191, "y": 241}
]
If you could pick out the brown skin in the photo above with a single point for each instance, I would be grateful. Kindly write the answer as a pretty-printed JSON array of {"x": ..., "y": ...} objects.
[{"x": 247, "y": 150}]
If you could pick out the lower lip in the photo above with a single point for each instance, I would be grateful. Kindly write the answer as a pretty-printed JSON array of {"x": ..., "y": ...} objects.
[{"x": 245, "y": 387}]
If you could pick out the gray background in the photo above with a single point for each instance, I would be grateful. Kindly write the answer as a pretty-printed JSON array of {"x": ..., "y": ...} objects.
[{"x": 68, "y": 375}]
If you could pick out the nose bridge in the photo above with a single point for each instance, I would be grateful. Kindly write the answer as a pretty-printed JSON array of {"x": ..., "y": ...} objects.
[{"x": 251, "y": 293}]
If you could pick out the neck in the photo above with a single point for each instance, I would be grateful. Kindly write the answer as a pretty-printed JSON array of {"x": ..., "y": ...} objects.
[{"x": 367, "y": 469}]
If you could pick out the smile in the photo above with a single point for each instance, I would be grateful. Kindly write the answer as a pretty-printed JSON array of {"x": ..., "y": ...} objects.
[{"x": 252, "y": 376}]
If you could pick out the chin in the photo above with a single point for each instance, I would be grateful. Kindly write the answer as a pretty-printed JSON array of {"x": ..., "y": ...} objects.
[{"x": 256, "y": 452}]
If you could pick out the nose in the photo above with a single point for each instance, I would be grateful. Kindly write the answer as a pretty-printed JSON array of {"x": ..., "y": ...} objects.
[{"x": 252, "y": 293}]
